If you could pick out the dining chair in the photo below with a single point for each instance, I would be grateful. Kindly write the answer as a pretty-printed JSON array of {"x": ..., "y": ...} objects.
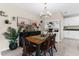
[
  {"x": 53, "y": 41},
  {"x": 48, "y": 45},
  {"x": 28, "y": 48},
  {"x": 45, "y": 46}
]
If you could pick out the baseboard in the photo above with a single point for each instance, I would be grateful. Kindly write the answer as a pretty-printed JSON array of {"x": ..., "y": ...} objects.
[{"x": 4, "y": 49}]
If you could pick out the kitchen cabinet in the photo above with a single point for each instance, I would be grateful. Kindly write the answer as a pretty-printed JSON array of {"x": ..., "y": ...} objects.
[
  {"x": 71, "y": 34},
  {"x": 72, "y": 24},
  {"x": 71, "y": 21}
]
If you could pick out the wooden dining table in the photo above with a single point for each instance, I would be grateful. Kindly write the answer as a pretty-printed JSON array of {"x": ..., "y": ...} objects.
[{"x": 37, "y": 40}]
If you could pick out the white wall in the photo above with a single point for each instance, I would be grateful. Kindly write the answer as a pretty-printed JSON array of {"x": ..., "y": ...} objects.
[
  {"x": 11, "y": 11},
  {"x": 72, "y": 21}
]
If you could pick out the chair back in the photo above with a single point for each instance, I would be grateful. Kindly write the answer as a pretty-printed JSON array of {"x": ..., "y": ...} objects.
[
  {"x": 48, "y": 41},
  {"x": 25, "y": 41},
  {"x": 28, "y": 43},
  {"x": 53, "y": 38}
]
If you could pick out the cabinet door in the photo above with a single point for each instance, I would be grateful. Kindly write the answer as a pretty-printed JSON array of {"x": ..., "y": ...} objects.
[
  {"x": 71, "y": 34},
  {"x": 74, "y": 34},
  {"x": 66, "y": 34},
  {"x": 71, "y": 21}
]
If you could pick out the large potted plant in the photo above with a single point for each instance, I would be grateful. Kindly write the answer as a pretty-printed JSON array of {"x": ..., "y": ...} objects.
[{"x": 12, "y": 35}]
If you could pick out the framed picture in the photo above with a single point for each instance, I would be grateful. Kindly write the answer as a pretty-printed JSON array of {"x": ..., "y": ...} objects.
[{"x": 23, "y": 21}]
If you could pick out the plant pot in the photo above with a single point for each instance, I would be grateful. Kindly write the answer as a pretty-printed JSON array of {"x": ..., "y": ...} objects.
[{"x": 13, "y": 46}]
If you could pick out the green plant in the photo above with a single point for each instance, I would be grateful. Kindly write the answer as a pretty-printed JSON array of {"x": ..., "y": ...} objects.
[{"x": 12, "y": 34}]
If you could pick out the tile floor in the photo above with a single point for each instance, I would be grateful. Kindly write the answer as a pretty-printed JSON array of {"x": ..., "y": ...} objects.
[
  {"x": 71, "y": 47},
  {"x": 67, "y": 47}
]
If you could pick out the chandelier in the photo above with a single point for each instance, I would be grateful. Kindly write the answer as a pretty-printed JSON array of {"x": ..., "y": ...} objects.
[{"x": 45, "y": 13}]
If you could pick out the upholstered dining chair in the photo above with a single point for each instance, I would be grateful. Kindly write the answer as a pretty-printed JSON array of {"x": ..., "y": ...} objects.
[
  {"x": 48, "y": 45},
  {"x": 28, "y": 49},
  {"x": 53, "y": 41}
]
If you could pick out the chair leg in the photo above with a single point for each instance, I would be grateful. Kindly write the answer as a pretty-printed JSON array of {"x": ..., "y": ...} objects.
[
  {"x": 23, "y": 54},
  {"x": 29, "y": 54},
  {"x": 44, "y": 53},
  {"x": 55, "y": 48},
  {"x": 51, "y": 52}
]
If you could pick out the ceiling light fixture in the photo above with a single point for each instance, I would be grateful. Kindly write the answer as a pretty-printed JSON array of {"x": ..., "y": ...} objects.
[{"x": 45, "y": 13}]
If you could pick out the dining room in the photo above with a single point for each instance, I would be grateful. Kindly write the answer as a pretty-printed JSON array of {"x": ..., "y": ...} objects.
[{"x": 39, "y": 29}]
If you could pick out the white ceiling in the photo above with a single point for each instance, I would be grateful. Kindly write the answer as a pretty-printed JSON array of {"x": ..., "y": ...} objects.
[{"x": 36, "y": 8}]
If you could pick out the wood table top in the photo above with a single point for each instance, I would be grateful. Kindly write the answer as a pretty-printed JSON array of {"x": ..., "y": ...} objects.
[{"x": 35, "y": 40}]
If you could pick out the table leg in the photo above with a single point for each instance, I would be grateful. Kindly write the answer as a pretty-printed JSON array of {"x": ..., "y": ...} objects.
[{"x": 38, "y": 50}]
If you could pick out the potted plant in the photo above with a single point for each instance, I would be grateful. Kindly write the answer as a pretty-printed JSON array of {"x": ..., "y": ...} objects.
[{"x": 12, "y": 35}]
